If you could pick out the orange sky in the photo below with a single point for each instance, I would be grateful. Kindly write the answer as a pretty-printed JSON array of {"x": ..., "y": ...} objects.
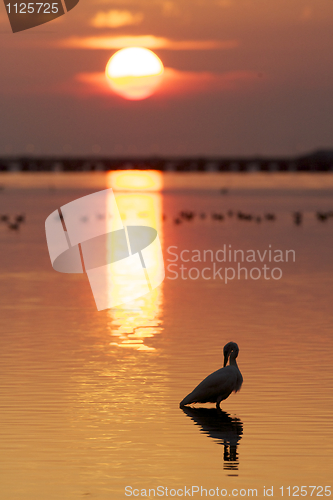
[{"x": 243, "y": 77}]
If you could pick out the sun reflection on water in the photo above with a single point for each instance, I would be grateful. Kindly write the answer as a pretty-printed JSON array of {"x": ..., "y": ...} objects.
[{"x": 133, "y": 323}]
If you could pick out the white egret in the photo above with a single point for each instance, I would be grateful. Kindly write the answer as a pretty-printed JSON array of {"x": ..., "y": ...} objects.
[{"x": 220, "y": 384}]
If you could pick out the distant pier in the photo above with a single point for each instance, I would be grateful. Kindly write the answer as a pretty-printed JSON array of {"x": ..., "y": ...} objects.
[{"x": 319, "y": 161}]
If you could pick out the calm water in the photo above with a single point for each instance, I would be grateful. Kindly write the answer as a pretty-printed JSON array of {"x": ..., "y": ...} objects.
[{"x": 90, "y": 400}]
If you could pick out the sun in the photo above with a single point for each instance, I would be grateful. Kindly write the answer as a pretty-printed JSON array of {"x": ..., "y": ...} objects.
[{"x": 134, "y": 73}]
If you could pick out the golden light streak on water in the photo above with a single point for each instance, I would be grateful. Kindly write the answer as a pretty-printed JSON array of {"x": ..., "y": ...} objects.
[
  {"x": 135, "y": 322},
  {"x": 135, "y": 180}
]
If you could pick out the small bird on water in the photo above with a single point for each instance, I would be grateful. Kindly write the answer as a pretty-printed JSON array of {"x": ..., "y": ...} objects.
[{"x": 220, "y": 384}]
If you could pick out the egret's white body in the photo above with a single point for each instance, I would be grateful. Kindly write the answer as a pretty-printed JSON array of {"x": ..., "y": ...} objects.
[{"x": 220, "y": 384}]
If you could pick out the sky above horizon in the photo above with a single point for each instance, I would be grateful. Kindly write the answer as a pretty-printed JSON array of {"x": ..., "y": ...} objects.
[{"x": 243, "y": 77}]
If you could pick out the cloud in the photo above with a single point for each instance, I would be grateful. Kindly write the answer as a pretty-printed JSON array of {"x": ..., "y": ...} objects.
[
  {"x": 187, "y": 83},
  {"x": 175, "y": 83},
  {"x": 306, "y": 14},
  {"x": 92, "y": 83},
  {"x": 148, "y": 41},
  {"x": 170, "y": 9},
  {"x": 224, "y": 3},
  {"x": 116, "y": 19}
]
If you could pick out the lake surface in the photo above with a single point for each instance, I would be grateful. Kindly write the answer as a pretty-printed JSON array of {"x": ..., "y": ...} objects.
[{"x": 90, "y": 400}]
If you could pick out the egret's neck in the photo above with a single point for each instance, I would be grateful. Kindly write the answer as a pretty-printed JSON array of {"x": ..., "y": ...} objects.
[{"x": 233, "y": 361}]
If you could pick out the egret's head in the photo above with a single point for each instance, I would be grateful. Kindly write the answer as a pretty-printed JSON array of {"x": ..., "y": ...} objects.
[{"x": 230, "y": 347}]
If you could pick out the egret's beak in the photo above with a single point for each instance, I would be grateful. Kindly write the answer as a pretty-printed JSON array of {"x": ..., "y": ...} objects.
[{"x": 226, "y": 357}]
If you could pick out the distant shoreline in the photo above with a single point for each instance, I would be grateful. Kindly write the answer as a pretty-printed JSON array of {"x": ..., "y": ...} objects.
[{"x": 317, "y": 161}]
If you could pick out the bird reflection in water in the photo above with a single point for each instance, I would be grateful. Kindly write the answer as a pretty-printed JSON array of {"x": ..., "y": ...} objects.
[{"x": 223, "y": 428}]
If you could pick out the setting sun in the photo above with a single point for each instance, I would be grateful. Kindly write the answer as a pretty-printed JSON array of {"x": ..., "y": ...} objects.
[{"x": 134, "y": 72}]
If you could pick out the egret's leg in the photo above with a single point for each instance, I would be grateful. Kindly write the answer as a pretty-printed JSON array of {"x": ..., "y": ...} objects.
[{"x": 218, "y": 403}]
